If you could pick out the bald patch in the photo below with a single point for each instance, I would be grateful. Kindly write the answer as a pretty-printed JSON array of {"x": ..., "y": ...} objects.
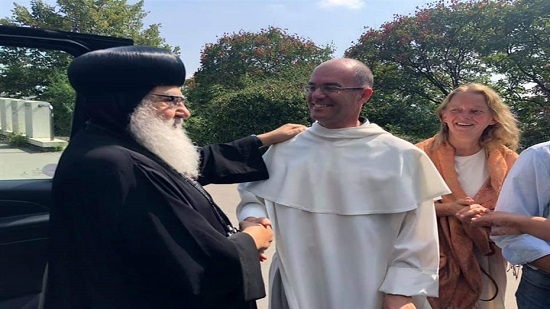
[{"x": 362, "y": 74}]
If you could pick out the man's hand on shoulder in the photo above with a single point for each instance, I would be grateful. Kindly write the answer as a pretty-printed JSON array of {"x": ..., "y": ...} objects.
[
  {"x": 281, "y": 134},
  {"x": 392, "y": 301}
]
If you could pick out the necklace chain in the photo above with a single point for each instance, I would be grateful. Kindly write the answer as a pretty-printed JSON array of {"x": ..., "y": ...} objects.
[{"x": 229, "y": 228}]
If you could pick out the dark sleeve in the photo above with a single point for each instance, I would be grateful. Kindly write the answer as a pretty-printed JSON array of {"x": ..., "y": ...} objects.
[
  {"x": 251, "y": 274},
  {"x": 234, "y": 162},
  {"x": 177, "y": 249}
]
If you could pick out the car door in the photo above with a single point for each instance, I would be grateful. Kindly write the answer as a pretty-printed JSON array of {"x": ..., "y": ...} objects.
[{"x": 29, "y": 150}]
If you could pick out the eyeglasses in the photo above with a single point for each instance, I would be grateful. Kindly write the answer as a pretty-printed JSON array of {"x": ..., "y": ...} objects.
[
  {"x": 328, "y": 89},
  {"x": 172, "y": 99}
]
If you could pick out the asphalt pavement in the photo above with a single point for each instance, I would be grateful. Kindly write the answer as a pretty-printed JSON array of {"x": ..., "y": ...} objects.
[{"x": 26, "y": 163}]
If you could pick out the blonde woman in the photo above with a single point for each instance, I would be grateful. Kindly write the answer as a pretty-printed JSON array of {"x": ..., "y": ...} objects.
[{"x": 473, "y": 152}]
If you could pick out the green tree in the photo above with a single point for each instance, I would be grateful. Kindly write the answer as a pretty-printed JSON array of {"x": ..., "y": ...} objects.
[
  {"x": 522, "y": 58},
  {"x": 257, "y": 108},
  {"x": 417, "y": 60},
  {"x": 242, "y": 55},
  {"x": 62, "y": 97},
  {"x": 36, "y": 73},
  {"x": 246, "y": 80}
]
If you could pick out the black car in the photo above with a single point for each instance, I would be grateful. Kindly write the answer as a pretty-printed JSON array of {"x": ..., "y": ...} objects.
[{"x": 25, "y": 185}]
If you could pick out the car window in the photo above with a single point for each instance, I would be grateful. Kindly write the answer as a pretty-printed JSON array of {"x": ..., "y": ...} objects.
[{"x": 36, "y": 106}]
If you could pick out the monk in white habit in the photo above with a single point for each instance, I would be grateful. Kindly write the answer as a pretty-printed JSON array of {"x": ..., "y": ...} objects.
[{"x": 351, "y": 205}]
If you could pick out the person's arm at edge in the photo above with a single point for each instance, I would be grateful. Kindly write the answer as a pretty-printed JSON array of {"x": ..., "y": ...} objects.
[
  {"x": 521, "y": 194},
  {"x": 512, "y": 224}
]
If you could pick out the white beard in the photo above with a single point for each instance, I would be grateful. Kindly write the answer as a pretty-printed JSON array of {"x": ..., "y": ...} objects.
[{"x": 167, "y": 139}]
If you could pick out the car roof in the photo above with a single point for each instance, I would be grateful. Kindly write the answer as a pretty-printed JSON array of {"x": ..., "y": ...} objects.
[{"x": 73, "y": 43}]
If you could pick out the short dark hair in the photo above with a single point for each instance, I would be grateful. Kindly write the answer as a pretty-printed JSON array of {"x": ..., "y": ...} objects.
[{"x": 363, "y": 74}]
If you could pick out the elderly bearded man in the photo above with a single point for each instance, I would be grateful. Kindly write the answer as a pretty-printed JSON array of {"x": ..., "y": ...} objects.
[
  {"x": 131, "y": 225},
  {"x": 351, "y": 205}
]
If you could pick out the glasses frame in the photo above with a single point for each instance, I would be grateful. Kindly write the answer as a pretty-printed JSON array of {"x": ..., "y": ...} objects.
[
  {"x": 173, "y": 99},
  {"x": 308, "y": 89}
]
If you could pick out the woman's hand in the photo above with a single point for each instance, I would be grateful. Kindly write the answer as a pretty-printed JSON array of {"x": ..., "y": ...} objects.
[
  {"x": 506, "y": 223},
  {"x": 452, "y": 208},
  {"x": 469, "y": 213}
]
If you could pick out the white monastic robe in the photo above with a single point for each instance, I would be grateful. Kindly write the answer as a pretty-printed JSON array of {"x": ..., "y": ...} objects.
[{"x": 353, "y": 216}]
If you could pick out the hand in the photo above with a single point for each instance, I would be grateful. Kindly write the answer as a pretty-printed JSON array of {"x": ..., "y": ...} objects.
[
  {"x": 543, "y": 263},
  {"x": 468, "y": 213},
  {"x": 260, "y": 230},
  {"x": 450, "y": 209},
  {"x": 281, "y": 134},
  {"x": 262, "y": 220},
  {"x": 506, "y": 223},
  {"x": 393, "y": 301}
]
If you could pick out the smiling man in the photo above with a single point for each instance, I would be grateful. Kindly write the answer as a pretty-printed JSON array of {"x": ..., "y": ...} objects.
[
  {"x": 131, "y": 225},
  {"x": 351, "y": 205}
]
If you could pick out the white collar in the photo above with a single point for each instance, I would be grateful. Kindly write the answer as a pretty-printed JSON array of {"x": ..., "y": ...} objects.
[{"x": 366, "y": 129}]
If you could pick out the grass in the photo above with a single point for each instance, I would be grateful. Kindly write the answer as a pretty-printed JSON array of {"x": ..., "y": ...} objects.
[{"x": 18, "y": 140}]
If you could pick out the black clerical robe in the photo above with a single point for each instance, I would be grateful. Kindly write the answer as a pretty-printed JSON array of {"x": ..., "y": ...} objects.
[{"x": 127, "y": 231}]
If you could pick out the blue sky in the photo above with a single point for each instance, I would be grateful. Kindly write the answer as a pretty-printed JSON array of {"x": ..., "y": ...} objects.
[{"x": 191, "y": 24}]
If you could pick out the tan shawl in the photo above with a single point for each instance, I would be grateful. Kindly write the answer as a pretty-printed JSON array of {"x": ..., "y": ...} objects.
[{"x": 459, "y": 271}]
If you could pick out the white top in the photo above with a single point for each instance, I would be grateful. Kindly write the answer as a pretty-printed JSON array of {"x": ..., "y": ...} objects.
[
  {"x": 472, "y": 172},
  {"x": 353, "y": 216}
]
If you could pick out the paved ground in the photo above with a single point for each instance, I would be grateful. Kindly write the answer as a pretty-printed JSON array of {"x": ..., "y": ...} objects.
[{"x": 26, "y": 164}]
